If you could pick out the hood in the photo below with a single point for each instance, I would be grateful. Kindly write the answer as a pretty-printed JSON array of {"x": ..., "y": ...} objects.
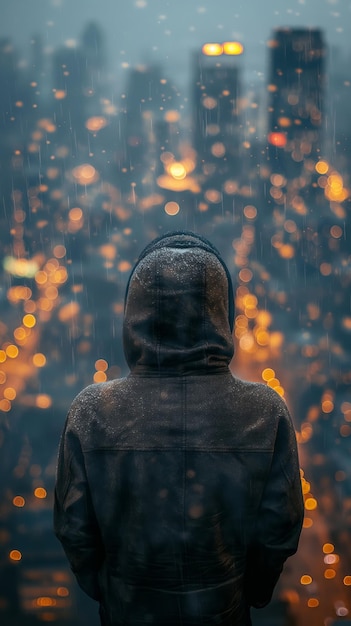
[{"x": 179, "y": 308}]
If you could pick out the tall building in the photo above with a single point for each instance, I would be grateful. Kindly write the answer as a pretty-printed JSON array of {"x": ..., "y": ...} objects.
[
  {"x": 296, "y": 94},
  {"x": 151, "y": 101},
  {"x": 216, "y": 109}
]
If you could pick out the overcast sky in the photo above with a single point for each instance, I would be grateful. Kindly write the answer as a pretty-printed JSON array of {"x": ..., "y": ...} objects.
[{"x": 167, "y": 30}]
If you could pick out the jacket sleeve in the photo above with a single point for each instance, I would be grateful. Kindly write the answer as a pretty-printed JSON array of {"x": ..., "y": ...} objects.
[
  {"x": 75, "y": 523},
  {"x": 279, "y": 518}
]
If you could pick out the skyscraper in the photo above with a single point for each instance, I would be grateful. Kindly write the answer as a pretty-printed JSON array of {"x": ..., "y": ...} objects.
[
  {"x": 216, "y": 109},
  {"x": 150, "y": 100},
  {"x": 296, "y": 94}
]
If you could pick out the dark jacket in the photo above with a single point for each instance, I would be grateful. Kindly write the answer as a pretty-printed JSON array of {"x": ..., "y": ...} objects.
[{"x": 178, "y": 494}]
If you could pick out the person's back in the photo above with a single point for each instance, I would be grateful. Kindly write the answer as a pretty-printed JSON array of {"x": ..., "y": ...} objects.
[{"x": 178, "y": 493}]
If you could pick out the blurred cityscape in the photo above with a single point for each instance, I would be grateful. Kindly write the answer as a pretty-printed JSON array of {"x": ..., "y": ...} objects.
[{"x": 90, "y": 171}]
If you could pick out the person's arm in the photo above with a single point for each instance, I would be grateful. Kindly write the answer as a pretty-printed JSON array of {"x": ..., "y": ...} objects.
[
  {"x": 75, "y": 523},
  {"x": 279, "y": 519}
]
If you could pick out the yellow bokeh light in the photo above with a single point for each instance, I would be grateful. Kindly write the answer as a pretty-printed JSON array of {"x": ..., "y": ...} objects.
[
  {"x": 63, "y": 592},
  {"x": 10, "y": 393},
  {"x": 286, "y": 251},
  {"x": 68, "y": 311},
  {"x": 172, "y": 208},
  {"x": 12, "y": 351},
  {"x": 328, "y": 548},
  {"x": 325, "y": 269},
  {"x": 5, "y": 405},
  {"x": 284, "y": 122},
  {"x": 59, "y": 251},
  {"x": 59, "y": 94},
  {"x": 96, "y": 123},
  {"x": 306, "y": 579},
  {"x": 276, "y": 339},
  {"x": 59, "y": 276},
  {"x": 234, "y": 48},
  {"x": 99, "y": 377},
  {"x": 124, "y": 266},
  {"x": 322, "y": 167},
  {"x": 213, "y": 195},
  {"x": 336, "y": 232},
  {"x": 18, "y": 501},
  {"x": 177, "y": 170},
  {"x": 246, "y": 342},
  {"x": 327, "y": 406},
  {"x": 218, "y": 149},
  {"x": 262, "y": 338},
  {"x": 250, "y": 301},
  {"x": 307, "y": 522},
  {"x": 245, "y": 275},
  {"x": 29, "y": 321},
  {"x": 310, "y": 504},
  {"x": 41, "y": 277},
  {"x": 268, "y": 373},
  {"x": 278, "y": 180},
  {"x": 273, "y": 382},
  {"x": 209, "y": 103},
  {"x": 85, "y": 174},
  {"x": 75, "y": 214},
  {"x": 108, "y": 251},
  {"x": 250, "y": 212},
  {"x": 329, "y": 573},
  {"x": 51, "y": 292},
  {"x": 172, "y": 116},
  {"x": 101, "y": 365},
  {"x": 30, "y": 306},
  {"x": 45, "y": 601},
  {"x": 212, "y": 49},
  {"x": 264, "y": 318},
  {"x": 43, "y": 401},
  {"x": 40, "y": 493},
  {"x": 39, "y": 359},
  {"x": 19, "y": 333}
]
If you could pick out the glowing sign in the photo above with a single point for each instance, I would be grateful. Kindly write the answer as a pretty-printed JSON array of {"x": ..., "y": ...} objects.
[
  {"x": 212, "y": 49},
  {"x": 230, "y": 48},
  {"x": 233, "y": 48}
]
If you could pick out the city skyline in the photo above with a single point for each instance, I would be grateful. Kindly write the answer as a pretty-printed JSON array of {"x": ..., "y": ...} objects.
[{"x": 161, "y": 31}]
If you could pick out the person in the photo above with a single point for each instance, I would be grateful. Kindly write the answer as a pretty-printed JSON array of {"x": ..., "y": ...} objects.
[{"x": 178, "y": 493}]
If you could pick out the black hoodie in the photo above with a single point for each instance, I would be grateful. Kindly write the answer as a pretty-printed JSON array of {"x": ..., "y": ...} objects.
[{"x": 178, "y": 494}]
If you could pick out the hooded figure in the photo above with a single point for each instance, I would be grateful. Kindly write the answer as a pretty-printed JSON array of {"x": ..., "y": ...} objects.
[{"x": 178, "y": 494}]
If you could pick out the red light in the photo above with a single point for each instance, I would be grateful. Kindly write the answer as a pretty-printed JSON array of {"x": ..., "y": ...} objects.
[{"x": 277, "y": 139}]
